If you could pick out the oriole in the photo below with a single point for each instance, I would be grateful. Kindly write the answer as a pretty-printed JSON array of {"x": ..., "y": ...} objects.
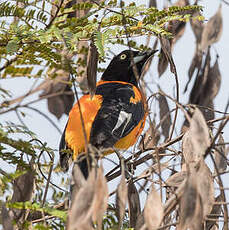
[{"x": 114, "y": 116}]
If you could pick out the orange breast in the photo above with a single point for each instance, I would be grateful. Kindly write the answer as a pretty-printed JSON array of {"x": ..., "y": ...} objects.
[{"x": 74, "y": 136}]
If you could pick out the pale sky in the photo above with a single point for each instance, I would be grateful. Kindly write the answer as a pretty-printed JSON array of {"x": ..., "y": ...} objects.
[{"x": 183, "y": 52}]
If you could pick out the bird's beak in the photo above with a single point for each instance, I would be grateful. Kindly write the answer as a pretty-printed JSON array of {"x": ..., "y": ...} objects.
[{"x": 143, "y": 56}]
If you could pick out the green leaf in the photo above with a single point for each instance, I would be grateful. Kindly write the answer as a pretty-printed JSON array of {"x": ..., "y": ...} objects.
[
  {"x": 12, "y": 47},
  {"x": 100, "y": 43},
  {"x": 37, "y": 207},
  {"x": 42, "y": 227},
  {"x": 57, "y": 33}
]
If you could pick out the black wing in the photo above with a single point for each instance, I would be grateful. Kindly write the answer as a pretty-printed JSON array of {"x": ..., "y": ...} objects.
[{"x": 117, "y": 116}]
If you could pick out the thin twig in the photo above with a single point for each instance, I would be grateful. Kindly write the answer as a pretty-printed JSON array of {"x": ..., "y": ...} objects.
[
  {"x": 224, "y": 1},
  {"x": 31, "y": 102},
  {"x": 81, "y": 115},
  {"x": 112, "y": 11},
  {"x": 9, "y": 62},
  {"x": 222, "y": 192},
  {"x": 39, "y": 166},
  {"x": 169, "y": 57},
  {"x": 221, "y": 127},
  {"x": 112, "y": 174},
  {"x": 45, "y": 116},
  {"x": 48, "y": 181},
  {"x": 56, "y": 14},
  {"x": 169, "y": 205}
]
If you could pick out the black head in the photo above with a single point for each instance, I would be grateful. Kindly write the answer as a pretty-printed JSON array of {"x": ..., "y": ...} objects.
[{"x": 121, "y": 67}]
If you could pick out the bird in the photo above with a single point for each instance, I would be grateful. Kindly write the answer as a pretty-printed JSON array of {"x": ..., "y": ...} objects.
[{"x": 113, "y": 117}]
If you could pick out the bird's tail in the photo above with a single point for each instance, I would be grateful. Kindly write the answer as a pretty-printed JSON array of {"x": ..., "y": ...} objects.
[
  {"x": 84, "y": 167},
  {"x": 64, "y": 157},
  {"x": 84, "y": 161}
]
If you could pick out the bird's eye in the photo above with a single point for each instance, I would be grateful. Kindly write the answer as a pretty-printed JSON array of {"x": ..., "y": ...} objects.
[{"x": 123, "y": 56}]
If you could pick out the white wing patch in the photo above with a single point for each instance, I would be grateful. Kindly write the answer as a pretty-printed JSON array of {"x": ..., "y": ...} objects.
[{"x": 123, "y": 118}]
